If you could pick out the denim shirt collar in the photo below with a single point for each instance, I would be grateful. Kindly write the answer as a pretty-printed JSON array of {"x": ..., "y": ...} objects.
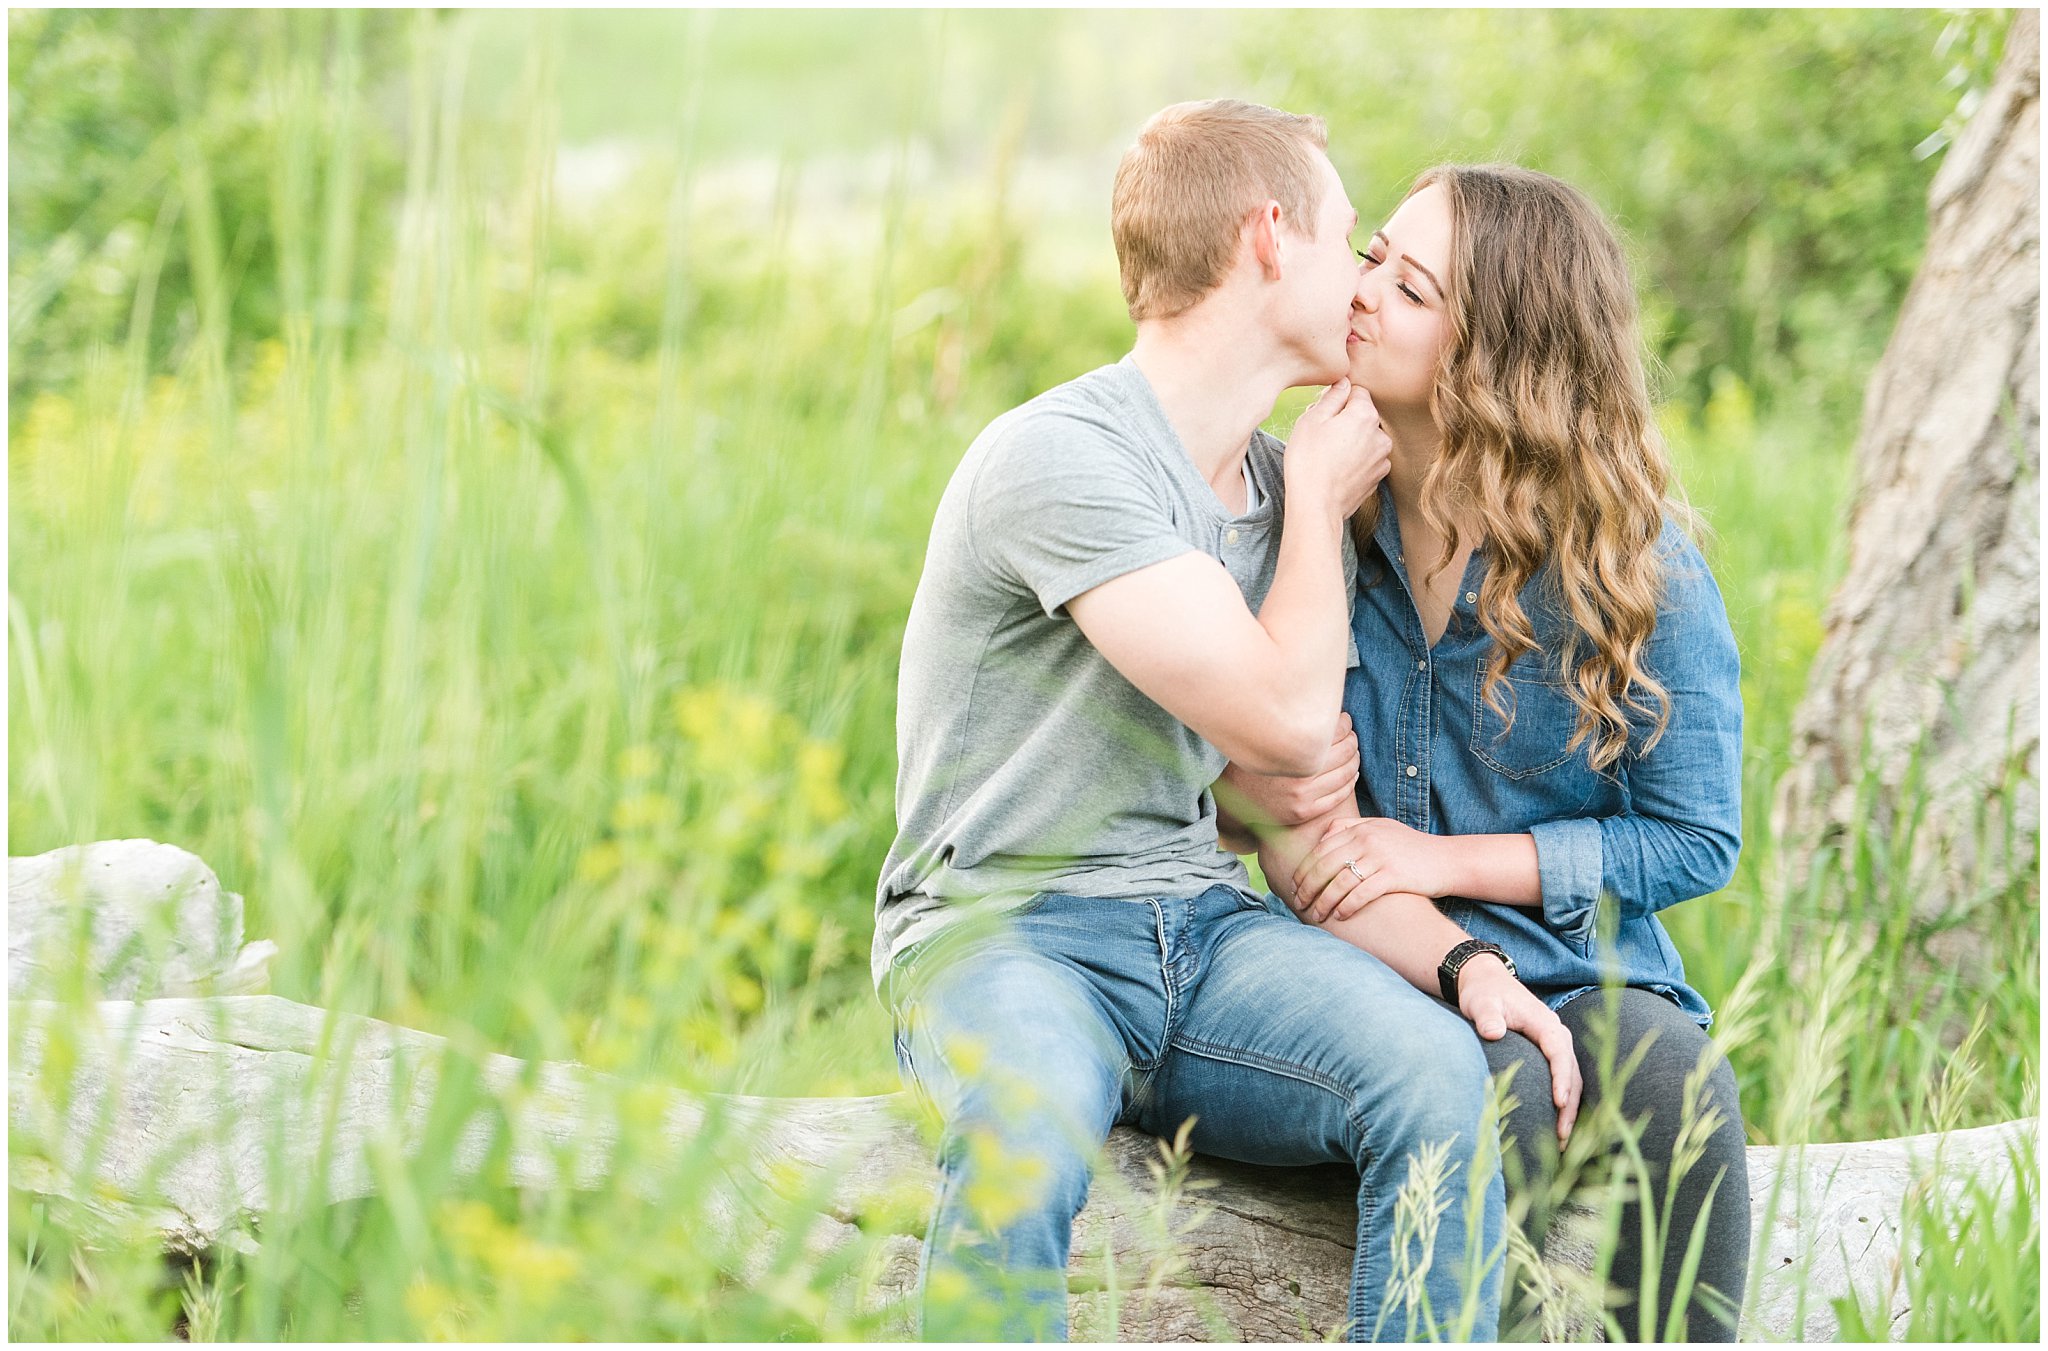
[{"x": 1386, "y": 537}]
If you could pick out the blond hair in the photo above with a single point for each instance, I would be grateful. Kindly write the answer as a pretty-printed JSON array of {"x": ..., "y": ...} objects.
[
  {"x": 1197, "y": 173},
  {"x": 1550, "y": 444}
]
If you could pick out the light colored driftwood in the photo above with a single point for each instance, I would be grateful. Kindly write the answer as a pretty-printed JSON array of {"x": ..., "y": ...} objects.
[
  {"x": 184, "y": 1104},
  {"x": 195, "y": 1117},
  {"x": 144, "y": 919},
  {"x": 1931, "y": 661}
]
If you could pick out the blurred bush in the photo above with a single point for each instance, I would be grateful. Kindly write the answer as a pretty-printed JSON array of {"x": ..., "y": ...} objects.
[
  {"x": 1769, "y": 167},
  {"x": 150, "y": 148}
]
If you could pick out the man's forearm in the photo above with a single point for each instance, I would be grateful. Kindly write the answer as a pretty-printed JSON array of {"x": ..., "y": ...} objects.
[
  {"x": 1231, "y": 831},
  {"x": 1307, "y": 615},
  {"x": 1405, "y": 931},
  {"x": 1282, "y": 848}
]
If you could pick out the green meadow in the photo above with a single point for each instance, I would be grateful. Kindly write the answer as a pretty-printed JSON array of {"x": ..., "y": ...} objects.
[{"x": 468, "y": 473}]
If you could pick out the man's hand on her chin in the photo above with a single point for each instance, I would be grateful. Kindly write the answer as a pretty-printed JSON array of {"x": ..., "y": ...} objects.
[{"x": 1338, "y": 452}]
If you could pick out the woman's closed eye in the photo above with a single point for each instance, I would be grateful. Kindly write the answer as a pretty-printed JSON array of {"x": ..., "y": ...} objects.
[{"x": 1371, "y": 261}]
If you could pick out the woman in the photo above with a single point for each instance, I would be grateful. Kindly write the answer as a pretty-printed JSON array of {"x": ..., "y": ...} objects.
[{"x": 1546, "y": 702}]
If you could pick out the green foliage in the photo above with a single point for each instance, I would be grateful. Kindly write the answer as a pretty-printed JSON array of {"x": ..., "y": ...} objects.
[
  {"x": 504, "y": 592},
  {"x": 1770, "y": 167},
  {"x": 1976, "y": 1273},
  {"x": 161, "y": 162}
]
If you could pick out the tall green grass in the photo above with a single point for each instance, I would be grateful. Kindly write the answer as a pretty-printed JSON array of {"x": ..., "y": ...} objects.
[{"x": 523, "y": 648}]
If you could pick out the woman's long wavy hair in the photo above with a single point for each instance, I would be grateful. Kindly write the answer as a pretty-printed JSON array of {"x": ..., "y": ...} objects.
[{"x": 1550, "y": 445}]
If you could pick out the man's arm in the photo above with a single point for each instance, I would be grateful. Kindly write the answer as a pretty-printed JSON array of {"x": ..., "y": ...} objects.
[
  {"x": 1409, "y": 934},
  {"x": 1252, "y": 807},
  {"x": 1264, "y": 689}
]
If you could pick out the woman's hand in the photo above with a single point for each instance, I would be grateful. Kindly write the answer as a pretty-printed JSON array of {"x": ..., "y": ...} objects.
[
  {"x": 1360, "y": 860},
  {"x": 1497, "y": 1003},
  {"x": 1262, "y": 800}
]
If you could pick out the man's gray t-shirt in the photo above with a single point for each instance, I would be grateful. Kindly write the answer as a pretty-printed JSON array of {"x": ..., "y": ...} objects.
[{"x": 1027, "y": 763}]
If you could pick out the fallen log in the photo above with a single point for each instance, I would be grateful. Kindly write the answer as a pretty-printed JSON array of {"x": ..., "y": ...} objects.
[
  {"x": 134, "y": 917},
  {"x": 176, "y": 1114}
]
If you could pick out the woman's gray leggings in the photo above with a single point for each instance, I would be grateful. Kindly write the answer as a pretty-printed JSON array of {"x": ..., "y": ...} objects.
[{"x": 1654, "y": 1090}]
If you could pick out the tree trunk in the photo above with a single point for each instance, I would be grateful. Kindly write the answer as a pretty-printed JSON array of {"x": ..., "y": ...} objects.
[{"x": 1921, "y": 721}]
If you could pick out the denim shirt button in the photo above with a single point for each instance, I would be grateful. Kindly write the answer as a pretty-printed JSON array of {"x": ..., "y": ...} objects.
[
  {"x": 1471, "y": 597},
  {"x": 1411, "y": 771},
  {"x": 1422, "y": 666}
]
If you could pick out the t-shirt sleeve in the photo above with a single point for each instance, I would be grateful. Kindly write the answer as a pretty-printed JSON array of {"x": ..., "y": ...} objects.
[{"x": 1059, "y": 507}]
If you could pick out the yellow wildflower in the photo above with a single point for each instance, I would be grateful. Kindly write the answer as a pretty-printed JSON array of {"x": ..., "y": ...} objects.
[
  {"x": 525, "y": 1265},
  {"x": 469, "y": 1225},
  {"x": 436, "y": 1309},
  {"x": 644, "y": 809},
  {"x": 699, "y": 712},
  {"x": 1005, "y": 1185},
  {"x": 818, "y": 767},
  {"x": 798, "y": 923},
  {"x": 636, "y": 1014},
  {"x": 638, "y": 762},
  {"x": 743, "y": 993},
  {"x": 599, "y": 863}
]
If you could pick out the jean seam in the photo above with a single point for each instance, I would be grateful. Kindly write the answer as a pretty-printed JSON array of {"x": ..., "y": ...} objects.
[
  {"x": 1233, "y": 1055},
  {"x": 1172, "y": 993},
  {"x": 1362, "y": 1254}
]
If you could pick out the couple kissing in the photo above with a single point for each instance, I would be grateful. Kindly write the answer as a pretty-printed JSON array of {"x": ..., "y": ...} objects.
[{"x": 1448, "y": 662}]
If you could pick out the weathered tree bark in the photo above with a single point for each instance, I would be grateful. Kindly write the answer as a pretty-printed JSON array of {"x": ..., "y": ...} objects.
[
  {"x": 193, "y": 1118},
  {"x": 136, "y": 918},
  {"x": 1930, "y": 666}
]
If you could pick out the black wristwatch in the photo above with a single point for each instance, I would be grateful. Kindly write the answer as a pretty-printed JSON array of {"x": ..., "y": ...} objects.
[{"x": 1454, "y": 962}]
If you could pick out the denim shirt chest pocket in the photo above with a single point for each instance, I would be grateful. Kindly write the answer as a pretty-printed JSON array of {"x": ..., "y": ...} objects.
[{"x": 1535, "y": 739}]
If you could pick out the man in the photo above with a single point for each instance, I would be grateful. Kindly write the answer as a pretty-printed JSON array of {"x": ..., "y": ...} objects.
[{"x": 1117, "y": 599}]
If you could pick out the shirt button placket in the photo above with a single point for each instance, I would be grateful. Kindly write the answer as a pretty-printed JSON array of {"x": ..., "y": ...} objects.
[{"x": 1411, "y": 787}]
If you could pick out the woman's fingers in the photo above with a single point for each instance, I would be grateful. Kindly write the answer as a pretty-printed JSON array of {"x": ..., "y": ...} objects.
[
  {"x": 1332, "y": 886},
  {"x": 1308, "y": 886},
  {"x": 1341, "y": 840},
  {"x": 1324, "y": 894},
  {"x": 1361, "y": 893},
  {"x": 1314, "y": 870}
]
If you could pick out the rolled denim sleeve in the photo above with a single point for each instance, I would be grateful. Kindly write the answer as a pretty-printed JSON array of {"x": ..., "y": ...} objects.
[
  {"x": 1682, "y": 830},
  {"x": 1568, "y": 861}
]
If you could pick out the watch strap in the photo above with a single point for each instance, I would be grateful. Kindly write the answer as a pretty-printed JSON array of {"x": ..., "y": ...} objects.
[{"x": 1454, "y": 962}]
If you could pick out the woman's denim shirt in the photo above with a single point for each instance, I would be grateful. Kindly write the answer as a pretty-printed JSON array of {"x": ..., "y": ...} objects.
[{"x": 1612, "y": 848}]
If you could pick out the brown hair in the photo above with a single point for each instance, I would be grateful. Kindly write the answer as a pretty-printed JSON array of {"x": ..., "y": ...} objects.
[
  {"x": 1184, "y": 191},
  {"x": 1549, "y": 441}
]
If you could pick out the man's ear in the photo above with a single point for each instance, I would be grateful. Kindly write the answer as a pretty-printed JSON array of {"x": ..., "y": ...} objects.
[{"x": 1265, "y": 239}]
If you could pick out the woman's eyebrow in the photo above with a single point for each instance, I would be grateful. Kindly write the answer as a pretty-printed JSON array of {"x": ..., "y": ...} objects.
[
  {"x": 1425, "y": 272},
  {"x": 1408, "y": 259}
]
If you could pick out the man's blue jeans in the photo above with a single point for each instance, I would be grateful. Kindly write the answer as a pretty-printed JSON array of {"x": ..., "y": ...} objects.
[{"x": 1035, "y": 1035}]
